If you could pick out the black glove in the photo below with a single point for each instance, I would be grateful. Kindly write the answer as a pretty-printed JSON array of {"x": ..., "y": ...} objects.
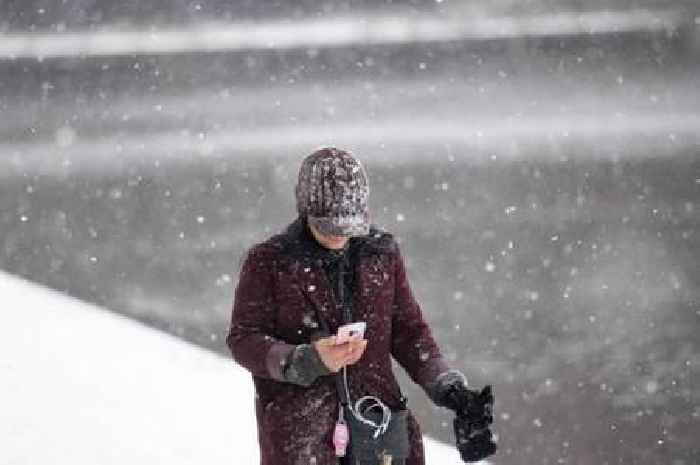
[
  {"x": 450, "y": 390},
  {"x": 473, "y": 405},
  {"x": 474, "y": 412},
  {"x": 474, "y": 415},
  {"x": 474, "y": 441}
]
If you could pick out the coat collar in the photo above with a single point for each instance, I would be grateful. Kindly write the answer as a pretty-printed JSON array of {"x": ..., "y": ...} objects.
[
  {"x": 306, "y": 266},
  {"x": 298, "y": 242}
]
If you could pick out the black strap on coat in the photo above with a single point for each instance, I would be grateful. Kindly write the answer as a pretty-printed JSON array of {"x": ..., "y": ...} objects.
[
  {"x": 345, "y": 302},
  {"x": 346, "y": 309}
]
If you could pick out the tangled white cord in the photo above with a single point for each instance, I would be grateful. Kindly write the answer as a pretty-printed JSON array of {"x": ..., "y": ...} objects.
[{"x": 358, "y": 412}]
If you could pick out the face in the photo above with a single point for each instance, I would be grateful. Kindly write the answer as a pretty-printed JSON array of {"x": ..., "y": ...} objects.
[{"x": 328, "y": 241}]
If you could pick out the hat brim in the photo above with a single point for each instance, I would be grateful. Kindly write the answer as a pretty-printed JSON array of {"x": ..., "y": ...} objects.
[{"x": 341, "y": 226}]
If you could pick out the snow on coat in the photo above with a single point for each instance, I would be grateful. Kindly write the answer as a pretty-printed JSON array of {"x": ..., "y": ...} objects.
[{"x": 281, "y": 292}]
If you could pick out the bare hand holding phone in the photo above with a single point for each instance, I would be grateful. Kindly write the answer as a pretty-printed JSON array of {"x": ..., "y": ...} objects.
[{"x": 344, "y": 348}]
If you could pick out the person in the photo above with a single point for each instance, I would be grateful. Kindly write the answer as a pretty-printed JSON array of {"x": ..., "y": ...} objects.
[{"x": 328, "y": 267}]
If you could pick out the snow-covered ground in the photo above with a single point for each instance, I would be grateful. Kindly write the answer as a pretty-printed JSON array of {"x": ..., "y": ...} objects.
[{"x": 82, "y": 385}]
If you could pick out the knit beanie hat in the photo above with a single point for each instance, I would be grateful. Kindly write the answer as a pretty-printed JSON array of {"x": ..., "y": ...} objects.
[{"x": 332, "y": 193}]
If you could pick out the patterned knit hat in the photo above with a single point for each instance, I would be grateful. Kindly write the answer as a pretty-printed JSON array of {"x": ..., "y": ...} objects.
[{"x": 333, "y": 192}]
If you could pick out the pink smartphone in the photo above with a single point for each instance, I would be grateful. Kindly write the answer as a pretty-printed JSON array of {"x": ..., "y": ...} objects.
[{"x": 350, "y": 329}]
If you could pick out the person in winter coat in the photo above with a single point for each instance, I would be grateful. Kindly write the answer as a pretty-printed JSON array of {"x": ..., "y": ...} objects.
[{"x": 329, "y": 266}]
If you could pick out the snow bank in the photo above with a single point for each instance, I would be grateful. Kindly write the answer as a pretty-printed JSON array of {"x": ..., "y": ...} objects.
[{"x": 83, "y": 385}]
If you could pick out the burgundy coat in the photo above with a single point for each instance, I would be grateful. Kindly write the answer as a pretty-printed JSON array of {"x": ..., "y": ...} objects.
[{"x": 280, "y": 292}]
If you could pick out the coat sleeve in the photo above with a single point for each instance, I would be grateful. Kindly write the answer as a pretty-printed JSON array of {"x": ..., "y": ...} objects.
[
  {"x": 412, "y": 343},
  {"x": 250, "y": 336}
]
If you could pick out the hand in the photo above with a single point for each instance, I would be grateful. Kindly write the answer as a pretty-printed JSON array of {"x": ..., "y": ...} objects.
[
  {"x": 473, "y": 443},
  {"x": 335, "y": 356},
  {"x": 474, "y": 406},
  {"x": 474, "y": 415}
]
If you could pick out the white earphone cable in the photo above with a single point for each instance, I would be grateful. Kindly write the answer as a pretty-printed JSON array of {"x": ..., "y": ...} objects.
[{"x": 357, "y": 411}]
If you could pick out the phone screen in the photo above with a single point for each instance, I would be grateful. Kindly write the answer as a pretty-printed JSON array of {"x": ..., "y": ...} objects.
[{"x": 351, "y": 329}]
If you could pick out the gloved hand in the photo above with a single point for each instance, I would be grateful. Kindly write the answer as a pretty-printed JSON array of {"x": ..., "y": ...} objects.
[
  {"x": 473, "y": 405},
  {"x": 474, "y": 441},
  {"x": 450, "y": 390},
  {"x": 474, "y": 412}
]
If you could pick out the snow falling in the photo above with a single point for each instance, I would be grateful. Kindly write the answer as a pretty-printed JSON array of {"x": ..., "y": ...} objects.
[{"x": 539, "y": 167}]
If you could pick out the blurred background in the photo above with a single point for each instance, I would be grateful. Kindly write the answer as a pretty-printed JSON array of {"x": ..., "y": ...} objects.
[{"x": 539, "y": 161}]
